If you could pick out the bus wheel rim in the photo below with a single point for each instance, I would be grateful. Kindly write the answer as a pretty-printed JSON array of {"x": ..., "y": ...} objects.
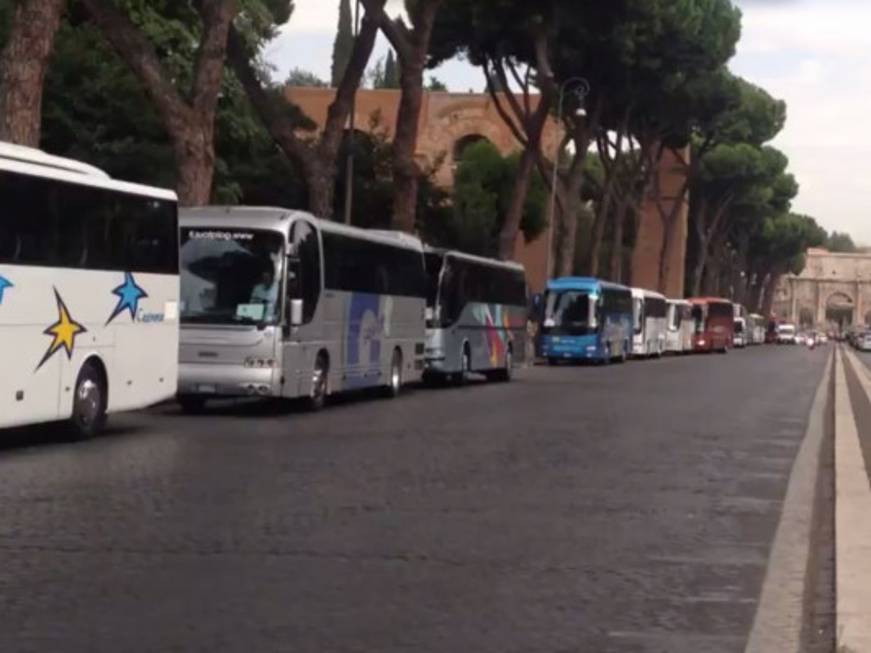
[
  {"x": 395, "y": 375},
  {"x": 318, "y": 381},
  {"x": 87, "y": 402}
]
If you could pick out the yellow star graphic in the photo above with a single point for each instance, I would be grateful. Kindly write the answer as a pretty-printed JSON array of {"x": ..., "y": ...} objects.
[{"x": 63, "y": 332}]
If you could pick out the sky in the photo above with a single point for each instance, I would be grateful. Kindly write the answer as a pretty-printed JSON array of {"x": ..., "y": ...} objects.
[{"x": 812, "y": 53}]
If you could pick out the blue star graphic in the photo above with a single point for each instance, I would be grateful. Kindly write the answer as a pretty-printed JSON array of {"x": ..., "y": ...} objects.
[
  {"x": 4, "y": 284},
  {"x": 128, "y": 294}
]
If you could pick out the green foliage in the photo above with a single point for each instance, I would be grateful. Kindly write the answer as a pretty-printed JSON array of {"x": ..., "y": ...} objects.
[
  {"x": 343, "y": 45},
  {"x": 373, "y": 187},
  {"x": 384, "y": 73},
  {"x": 840, "y": 242},
  {"x": 302, "y": 77},
  {"x": 95, "y": 110},
  {"x": 391, "y": 71},
  {"x": 435, "y": 84},
  {"x": 482, "y": 190}
]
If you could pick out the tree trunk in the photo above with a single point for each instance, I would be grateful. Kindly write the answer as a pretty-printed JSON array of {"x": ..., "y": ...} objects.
[
  {"x": 406, "y": 172},
  {"x": 568, "y": 235},
  {"x": 768, "y": 294},
  {"x": 598, "y": 231},
  {"x": 23, "y": 64},
  {"x": 514, "y": 214},
  {"x": 615, "y": 272},
  {"x": 194, "y": 149}
]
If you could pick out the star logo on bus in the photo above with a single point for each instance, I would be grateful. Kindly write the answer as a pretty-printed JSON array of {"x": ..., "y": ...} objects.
[
  {"x": 4, "y": 284},
  {"x": 63, "y": 332},
  {"x": 129, "y": 294}
]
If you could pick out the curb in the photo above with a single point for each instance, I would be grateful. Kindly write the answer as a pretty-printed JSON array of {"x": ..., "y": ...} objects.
[
  {"x": 852, "y": 521},
  {"x": 780, "y": 614}
]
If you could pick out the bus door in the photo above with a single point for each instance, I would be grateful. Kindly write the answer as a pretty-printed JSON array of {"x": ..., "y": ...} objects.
[{"x": 302, "y": 343}]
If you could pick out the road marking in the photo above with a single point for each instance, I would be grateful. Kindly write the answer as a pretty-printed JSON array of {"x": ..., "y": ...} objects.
[
  {"x": 852, "y": 526},
  {"x": 779, "y": 618}
]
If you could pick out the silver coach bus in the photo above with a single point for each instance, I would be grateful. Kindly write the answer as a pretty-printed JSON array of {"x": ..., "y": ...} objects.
[
  {"x": 476, "y": 316},
  {"x": 277, "y": 303}
]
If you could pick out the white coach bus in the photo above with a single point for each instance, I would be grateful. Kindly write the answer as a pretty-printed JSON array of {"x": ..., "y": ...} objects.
[
  {"x": 88, "y": 292},
  {"x": 476, "y": 316},
  {"x": 649, "y": 320},
  {"x": 277, "y": 303}
]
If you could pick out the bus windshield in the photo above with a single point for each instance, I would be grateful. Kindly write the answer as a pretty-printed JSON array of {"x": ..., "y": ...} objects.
[
  {"x": 567, "y": 312},
  {"x": 230, "y": 276}
]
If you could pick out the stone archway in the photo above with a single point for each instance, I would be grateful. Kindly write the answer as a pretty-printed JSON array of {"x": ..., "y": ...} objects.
[
  {"x": 463, "y": 143},
  {"x": 806, "y": 318},
  {"x": 840, "y": 309}
]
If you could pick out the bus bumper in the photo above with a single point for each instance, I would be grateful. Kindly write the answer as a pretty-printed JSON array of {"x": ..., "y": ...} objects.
[
  {"x": 570, "y": 348},
  {"x": 195, "y": 379}
]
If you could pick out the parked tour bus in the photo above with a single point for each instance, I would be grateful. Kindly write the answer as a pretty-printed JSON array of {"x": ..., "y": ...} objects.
[
  {"x": 771, "y": 331},
  {"x": 476, "y": 316},
  {"x": 586, "y": 319},
  {"x": 757, "y": 329},
  {"x": 740, "y": 335},
  {"x": 714, "y": 320},
  {"x": 88, "y": 292},
  {"x": 277, "y": 303},
  {"x": 679, "y": 338},
  {"x": 649, "y": 322}
]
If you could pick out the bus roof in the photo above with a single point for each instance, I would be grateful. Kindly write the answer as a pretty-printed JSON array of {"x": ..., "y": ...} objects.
[
  {"x": 582, "y": 283},
  {"x": 512, "y": 265},
  {"x": 279, "y": 219},
  {"x": 639, "y": 293},
  {"x": 709, "y": 300},
  {"x": 30, "y": 161}
]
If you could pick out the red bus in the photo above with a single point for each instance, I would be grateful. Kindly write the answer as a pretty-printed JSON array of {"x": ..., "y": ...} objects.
[{"x": 714, "y": 319}]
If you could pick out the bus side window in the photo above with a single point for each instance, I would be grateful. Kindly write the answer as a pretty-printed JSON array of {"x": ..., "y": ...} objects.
[{"x": 306, "y": 284}]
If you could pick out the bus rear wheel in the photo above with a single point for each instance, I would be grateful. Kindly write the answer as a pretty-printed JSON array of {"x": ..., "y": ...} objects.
[
  {"x": 394, "y": 382},
  {"x": 504, "y": 375},
  {"x": 462, "y": 377},
  {"x": 89, "y": 403}
]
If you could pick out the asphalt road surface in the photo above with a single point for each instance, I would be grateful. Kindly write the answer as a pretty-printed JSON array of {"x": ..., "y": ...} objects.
[{"x": 626, "y": 508}]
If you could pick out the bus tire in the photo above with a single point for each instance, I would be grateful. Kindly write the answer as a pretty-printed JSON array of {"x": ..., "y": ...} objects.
[
  {"x": 394, "y": 381},
  {"x": 462, "y": 376},
  {"x": 320, "y": 383},
  {"x": 504, "y": 375},
  {"x": 191, "y": 404},
  {"x": 89, "y": 402},
  {"x": 552, "y": 361}
]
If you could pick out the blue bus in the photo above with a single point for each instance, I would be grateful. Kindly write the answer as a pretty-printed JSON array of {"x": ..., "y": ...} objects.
[{"x": 586, "y": 319}]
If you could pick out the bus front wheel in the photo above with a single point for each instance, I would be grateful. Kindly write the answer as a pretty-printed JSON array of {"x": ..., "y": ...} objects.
[
  {"x": 319, "y": 389},
  {"x": 89, "y": 403}
]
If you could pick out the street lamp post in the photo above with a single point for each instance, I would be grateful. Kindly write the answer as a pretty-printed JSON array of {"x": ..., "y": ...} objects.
[{"x": 581, "y": 90}]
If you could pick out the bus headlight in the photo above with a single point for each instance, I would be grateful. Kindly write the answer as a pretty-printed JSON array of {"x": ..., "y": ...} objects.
[
  {"x": 701, "y": 342},
  {"x": 259, "y": 363}
]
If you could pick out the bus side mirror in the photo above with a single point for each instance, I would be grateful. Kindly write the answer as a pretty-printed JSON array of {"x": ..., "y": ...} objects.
[{"x": 295, "y": 312}]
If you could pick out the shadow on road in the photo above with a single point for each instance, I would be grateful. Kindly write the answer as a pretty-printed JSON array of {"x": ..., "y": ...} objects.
[{"x": 57, "y": 433}]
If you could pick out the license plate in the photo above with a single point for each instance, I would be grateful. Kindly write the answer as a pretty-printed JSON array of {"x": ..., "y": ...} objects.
[{"x": 207, "y": 389}]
